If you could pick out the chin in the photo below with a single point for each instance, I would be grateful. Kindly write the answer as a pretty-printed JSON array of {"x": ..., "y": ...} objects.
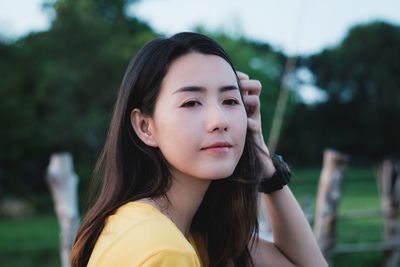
[{"x": 217, "y": 174}]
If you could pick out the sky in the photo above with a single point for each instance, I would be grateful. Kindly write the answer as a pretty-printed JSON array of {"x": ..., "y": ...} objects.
[
  {"x": 293, "y": 26},
  {"x": 296, "y": 27}
]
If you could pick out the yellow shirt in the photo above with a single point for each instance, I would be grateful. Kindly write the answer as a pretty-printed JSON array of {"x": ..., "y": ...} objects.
[{"x": 138, "y": 234}]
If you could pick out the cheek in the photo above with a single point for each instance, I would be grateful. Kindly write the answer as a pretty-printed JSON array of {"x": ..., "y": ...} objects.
[
  {"x": 240, "y": 124},
  {"x": 243, "y": 131},
  {"x": 176, "y": 137}
]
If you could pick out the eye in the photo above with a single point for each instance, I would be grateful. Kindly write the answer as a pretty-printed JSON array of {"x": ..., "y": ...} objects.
[
  {"x": 190, "y": 104},
  {"x": 231, "y": 102}
]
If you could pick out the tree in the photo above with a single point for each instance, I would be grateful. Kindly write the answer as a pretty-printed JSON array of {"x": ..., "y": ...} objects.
[
  {"x": 59, "y": 87},
  {"x": 361, "y": 76}
]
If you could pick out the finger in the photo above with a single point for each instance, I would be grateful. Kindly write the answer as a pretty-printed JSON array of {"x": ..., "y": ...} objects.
[
  {"x": 242, "y": 75},
  {"x": 253, "y": 125},
  {"x": 252, "y": 104},
  {"x": 251, "y": 100},
  {"x": 251, "y": 87}
]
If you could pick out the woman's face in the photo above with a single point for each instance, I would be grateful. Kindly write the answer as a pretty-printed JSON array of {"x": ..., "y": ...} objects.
[{"x": 198, "y": 106}]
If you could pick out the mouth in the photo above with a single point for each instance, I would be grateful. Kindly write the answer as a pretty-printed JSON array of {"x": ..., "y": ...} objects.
[{"x": 218, "y": 147}]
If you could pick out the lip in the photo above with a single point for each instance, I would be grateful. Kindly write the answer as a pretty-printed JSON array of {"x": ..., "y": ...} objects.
[{"x": 218, "y": 147}]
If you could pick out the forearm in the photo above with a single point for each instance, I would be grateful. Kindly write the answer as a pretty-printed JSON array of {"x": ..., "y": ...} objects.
[{"x": 292, "y": 233}]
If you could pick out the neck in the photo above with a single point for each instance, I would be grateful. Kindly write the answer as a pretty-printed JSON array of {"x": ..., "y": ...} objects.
[{"x": 185, "y": 196}]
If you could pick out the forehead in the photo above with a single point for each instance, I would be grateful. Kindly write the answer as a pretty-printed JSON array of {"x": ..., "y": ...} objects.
[{"x": 209, "y": 71}]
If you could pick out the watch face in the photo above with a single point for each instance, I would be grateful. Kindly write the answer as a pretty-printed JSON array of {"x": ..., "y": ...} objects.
[{"x": 280, "y": 159}]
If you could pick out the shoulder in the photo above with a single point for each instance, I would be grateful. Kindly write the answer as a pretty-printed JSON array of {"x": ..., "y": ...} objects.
[{"x": 138, "y": 233}]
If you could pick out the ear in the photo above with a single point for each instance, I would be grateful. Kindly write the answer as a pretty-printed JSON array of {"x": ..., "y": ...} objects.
[{"x": 142, "y": 126}]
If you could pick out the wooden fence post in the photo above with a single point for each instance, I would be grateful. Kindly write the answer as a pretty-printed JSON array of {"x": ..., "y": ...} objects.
[
  {"x": 63, "y": 183},
  {"x": 329, "y": 194},
  {"x": 389, "y": 182}
]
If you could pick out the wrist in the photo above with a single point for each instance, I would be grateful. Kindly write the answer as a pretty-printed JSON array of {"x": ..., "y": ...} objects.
[
  {"x": 269, "y": 168},
  {"x": 264, "y": 156},
  {"x": 278, "y": 179}
]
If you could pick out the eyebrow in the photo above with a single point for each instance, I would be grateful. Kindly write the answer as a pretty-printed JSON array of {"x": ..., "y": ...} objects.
[{"x": 203, "y": 89}]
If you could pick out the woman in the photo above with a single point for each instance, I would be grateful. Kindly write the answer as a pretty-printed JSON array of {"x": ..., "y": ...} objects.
[{"x": 181, "y": 168}]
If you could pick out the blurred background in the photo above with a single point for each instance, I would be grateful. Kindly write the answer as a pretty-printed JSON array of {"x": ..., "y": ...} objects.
[{"x": 61, "y": 64}]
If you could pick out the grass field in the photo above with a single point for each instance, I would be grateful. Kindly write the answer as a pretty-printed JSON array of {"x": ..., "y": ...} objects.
[
  {"x": 29, "y": 242},
  {"x": 35, "y": 241},
  {"x": 359, "y": 192}
]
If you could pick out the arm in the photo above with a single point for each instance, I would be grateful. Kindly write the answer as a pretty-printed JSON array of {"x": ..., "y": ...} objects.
[
  {"x": 294, "y": 243},
  {"x": 292, "y": 233}
]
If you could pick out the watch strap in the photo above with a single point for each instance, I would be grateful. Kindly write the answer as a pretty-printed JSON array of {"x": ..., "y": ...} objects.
[{"x": 280, "y": 178}]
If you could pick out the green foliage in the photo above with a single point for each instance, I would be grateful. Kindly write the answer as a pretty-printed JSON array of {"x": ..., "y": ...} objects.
[
  {"x": 362, "y": 115},
  {"x": 59, "y": 87},
  {"x": 30, "y": 242}
]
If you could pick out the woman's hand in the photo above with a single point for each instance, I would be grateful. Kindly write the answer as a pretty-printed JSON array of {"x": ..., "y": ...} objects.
[{"x": 251, "y": 90}]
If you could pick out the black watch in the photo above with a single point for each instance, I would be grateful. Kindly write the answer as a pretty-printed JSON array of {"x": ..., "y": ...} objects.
[{"x": 280, "y": 178}]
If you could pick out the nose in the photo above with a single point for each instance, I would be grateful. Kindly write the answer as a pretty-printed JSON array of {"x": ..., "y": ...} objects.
[{"x": 216, "y": 119}]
